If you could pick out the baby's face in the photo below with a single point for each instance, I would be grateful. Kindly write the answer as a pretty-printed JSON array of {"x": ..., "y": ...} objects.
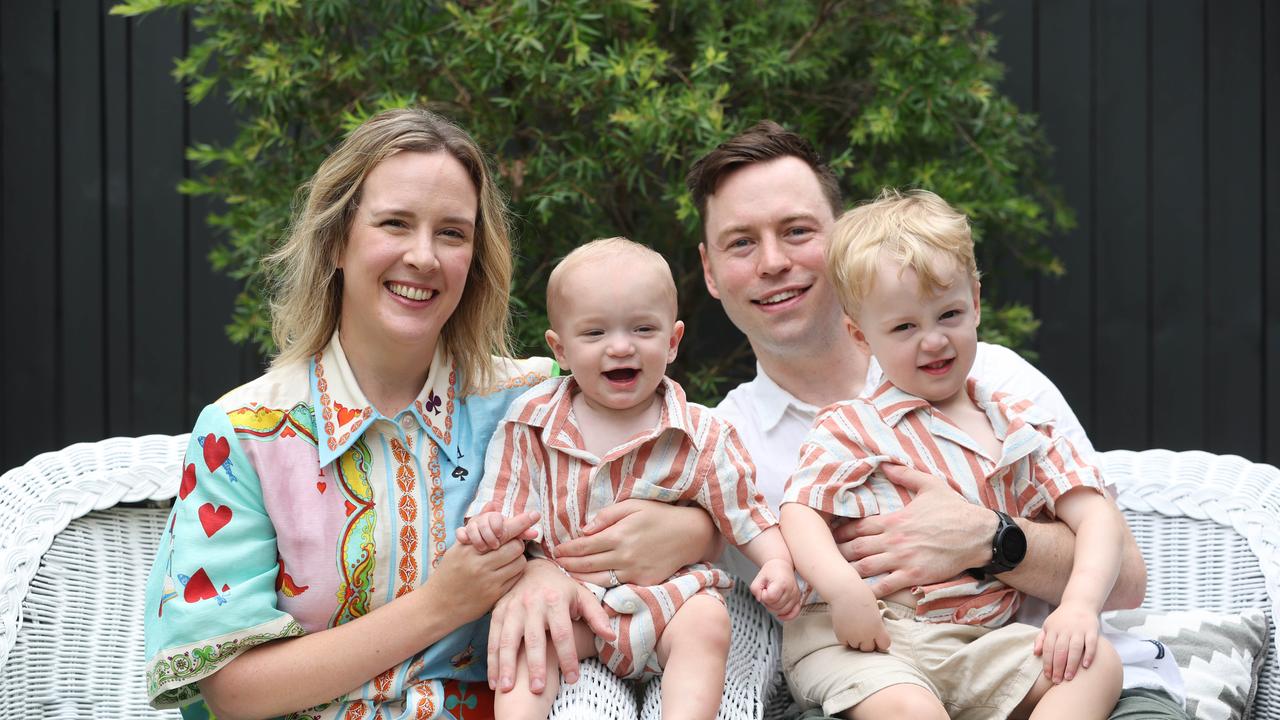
[
  {"x": 615, "y": 329},
  {"x": 924, "y": 343}
]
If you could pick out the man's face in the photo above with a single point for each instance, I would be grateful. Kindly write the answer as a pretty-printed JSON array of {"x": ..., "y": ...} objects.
[{"x": 763, "y": 257}]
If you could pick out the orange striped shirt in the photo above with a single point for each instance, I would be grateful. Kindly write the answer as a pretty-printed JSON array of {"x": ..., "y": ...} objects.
[
  {"x": 537, "y": 461},
  {"x": 838, "y": 476}
]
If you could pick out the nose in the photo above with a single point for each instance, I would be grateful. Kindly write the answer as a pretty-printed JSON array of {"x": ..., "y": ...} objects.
[
  {"x": 933, "y": 341},
  {"x": 772, "y": 257},
  {"x": 620, "y": 345},
  {"x": 421, "y": 253}
]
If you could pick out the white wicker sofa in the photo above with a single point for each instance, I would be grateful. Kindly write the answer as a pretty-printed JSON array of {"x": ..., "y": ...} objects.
[{"x": 73, "y": 567}]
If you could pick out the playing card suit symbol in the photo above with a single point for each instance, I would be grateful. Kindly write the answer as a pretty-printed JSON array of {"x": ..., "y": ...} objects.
[
  {"x": 350, "y": 508},
  {"x": 198, "y": 587},
  {"x": 288, "y": 432},
  {"x": 460, "y": 473},
  {"x": 188, "y": 482},
  {"x": 321, "y": 486},
  {"x": 214, "y": 519},
  {"x": 216, "y": 451},
  {"x": 433, "y": 402},
  {"x": 345, "y": 414}
]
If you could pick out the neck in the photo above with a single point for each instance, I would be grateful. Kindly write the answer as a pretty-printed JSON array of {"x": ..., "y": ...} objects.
[
  {"x": 389, "y": 380},
  {"x": 835, "y": 373}
]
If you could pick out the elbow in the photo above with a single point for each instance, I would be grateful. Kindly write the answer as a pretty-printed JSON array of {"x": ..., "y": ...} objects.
[
  {"x": 219, "y": 692},
  {"x": 1131, "y": 587}
]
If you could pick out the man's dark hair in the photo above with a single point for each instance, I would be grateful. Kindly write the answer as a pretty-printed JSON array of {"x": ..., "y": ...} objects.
[{"x": 762, "y": 142}]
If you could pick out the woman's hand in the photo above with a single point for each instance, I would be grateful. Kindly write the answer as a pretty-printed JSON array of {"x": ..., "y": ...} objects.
[
  {"x": 470, "y": 579},
  {"x": 643, "y": 542},
  {"x": 544, "y": 603}
]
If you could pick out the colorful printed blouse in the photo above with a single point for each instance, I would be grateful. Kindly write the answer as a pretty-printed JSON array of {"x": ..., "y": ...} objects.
[
  {"x": 301, "y": 507},
  {"x": 849, "y": 440}
]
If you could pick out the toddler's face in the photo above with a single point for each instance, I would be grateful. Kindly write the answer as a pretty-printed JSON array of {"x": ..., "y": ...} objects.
[
  {"x": 615, "y": 329},
  {"x": 924, "y": 343}
]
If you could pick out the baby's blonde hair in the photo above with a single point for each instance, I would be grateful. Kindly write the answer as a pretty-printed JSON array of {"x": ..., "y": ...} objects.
[
  {"x": 916, "y": 229},
  {"x": 597, "y": 251}
]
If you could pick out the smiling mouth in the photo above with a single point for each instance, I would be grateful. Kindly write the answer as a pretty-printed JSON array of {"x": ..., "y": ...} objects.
[
  {"x": 779, "y": 297},
  {"x": 411, "y": 293},
  {"x": 621, "y": 375},
  {"x": 938, "y": 367}
]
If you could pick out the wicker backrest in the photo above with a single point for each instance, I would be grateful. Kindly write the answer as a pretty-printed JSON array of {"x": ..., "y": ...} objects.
[{"x": 1209, "y": 529}]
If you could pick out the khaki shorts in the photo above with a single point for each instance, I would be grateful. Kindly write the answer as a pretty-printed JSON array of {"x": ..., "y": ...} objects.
[{"x": 976, "y": 672}]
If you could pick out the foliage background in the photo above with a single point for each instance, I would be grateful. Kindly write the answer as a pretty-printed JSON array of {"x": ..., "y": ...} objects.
[{"x": 593, "y": 112}]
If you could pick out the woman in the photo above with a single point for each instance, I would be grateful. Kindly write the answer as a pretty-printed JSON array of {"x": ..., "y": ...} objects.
[{"x": 308, "y": 562}]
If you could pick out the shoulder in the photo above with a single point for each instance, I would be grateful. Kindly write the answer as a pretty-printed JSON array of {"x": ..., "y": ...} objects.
[
  {"x": 740, "y": 406},
  {"x": 537, "y": 400},
  {"x": 281, "y": 387},
  {"x": 509, "y": 374}
]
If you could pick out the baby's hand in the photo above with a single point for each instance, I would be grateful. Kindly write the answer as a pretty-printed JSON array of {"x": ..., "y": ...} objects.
[
  {"x": 855, "y": 617},
  {"x": 1068, "y": 641},
  {"x": 489, "y": 530},
  {"x": 775, "y": 588}
]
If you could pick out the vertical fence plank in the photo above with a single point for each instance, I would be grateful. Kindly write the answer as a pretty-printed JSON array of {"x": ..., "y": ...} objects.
[
  {"x": 1014, "y": 24},
  {"x": 28, "y": 213},
  {"x": 1177, "y": 224},
  {"x": 1120, "y": 225},
  {"x": 1065, "y": 340},
  {"x": 159, "y": 227},
  {"x": 118, "y": 270},
  {"x": 1271, "y": 221},
  {"x": 1234, "y": 271},
  {"x": 215, "y": 365},
  {"x": 82, "y": 412}
]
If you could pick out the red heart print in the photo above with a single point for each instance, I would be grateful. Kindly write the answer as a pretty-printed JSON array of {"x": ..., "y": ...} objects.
[
  {"x": 345, "y": 414},
  {"x": 320, "y": 485},
  {"x": 214, "y": 519},
  {"x": 188, "y": 482},
  {"x": 216, "y": 451},
  {"x": 288, "y": 432},
  {"x": 199, "y": 587}
]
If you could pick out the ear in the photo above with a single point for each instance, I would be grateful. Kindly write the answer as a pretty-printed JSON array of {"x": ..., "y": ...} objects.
[
  {"x": 707, "y": 277},
  {"x": 859, "y": 338},
  {"x": 977, "y": 303},
  {"x": 557, "y": 348},
  {"x": 677, "y": 332}
]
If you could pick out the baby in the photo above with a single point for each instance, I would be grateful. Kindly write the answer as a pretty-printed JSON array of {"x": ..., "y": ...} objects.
[
  {"x": 618, "y": 428},
  {"x": 903, "y": 268}
]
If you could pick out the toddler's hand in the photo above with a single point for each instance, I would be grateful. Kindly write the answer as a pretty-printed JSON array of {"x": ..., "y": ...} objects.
[
  {"x": 855, "y": 617},
  {"x": 775, "y": 588},
  {"x": 1068, "y": 641},
  {"x": 489, "y": 530}
]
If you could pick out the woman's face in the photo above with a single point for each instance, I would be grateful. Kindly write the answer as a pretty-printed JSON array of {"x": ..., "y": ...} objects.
[{"x": 408, "y": 251}]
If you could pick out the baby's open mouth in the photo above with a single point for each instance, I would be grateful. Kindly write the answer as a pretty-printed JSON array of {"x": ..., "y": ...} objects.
[{"x": 621, "y": 374}]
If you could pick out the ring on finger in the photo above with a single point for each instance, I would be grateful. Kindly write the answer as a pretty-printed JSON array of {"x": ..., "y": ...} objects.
[{"x": 613, "y": 579}]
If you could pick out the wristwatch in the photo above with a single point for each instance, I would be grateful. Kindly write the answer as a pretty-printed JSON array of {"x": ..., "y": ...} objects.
[{"x": 1008, "y": 547}]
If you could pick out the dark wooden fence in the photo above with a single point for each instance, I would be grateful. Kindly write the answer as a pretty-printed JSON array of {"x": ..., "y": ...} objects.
[{"x": 1165, "y": 332}]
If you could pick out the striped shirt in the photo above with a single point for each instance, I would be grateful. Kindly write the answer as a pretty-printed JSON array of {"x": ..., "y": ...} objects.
[
  {"x": 537, "y": 461},
  {"x": 839, "y": 458}
]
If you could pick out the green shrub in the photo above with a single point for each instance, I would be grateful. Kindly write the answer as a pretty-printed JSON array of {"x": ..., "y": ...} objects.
[{"x": 594, "y": 109}]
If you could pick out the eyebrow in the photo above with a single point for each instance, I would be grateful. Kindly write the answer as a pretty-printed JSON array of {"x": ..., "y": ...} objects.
[{"x": 401, "y": 212}]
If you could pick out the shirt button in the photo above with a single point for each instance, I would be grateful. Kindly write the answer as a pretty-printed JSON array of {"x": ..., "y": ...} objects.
[
  {"x": 406, "y": 421},
  {"x": 629, "y": 606}
]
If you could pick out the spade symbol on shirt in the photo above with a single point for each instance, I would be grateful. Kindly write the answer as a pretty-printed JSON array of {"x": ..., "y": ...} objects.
[{"x": 460, "y": 473}]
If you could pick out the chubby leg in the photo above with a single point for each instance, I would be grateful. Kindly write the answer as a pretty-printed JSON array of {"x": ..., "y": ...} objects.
[
  {"x": 898, "y": 701},
  {"x": 521, "y": 702},
  {"x": 693, "y": 651},
  {"x": 1091, "y": 694}
]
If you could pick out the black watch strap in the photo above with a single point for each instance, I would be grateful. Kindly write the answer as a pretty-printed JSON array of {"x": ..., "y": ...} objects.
[{"x": 1008, "y": 548}]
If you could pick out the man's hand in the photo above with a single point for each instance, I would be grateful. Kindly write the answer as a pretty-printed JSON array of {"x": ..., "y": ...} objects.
[
  {"x": 775, "y": 587},
  {"x": 543, "y": 603},
  {"x": 937, "y": 536},
  {"x": 643, "y": 541}
]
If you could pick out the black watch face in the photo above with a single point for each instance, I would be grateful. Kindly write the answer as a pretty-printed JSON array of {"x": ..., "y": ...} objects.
[{"x": 1014, "y": 547}]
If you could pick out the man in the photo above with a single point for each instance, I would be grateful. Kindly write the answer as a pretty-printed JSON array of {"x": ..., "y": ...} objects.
[{"x": 767, "y": 202}]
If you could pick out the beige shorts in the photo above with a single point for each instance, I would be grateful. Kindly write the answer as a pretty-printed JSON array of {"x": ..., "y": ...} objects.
[{"x": 976, "y": 672}]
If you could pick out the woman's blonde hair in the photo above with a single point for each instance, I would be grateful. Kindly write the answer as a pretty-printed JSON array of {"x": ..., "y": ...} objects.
[
  {"x": 916, "y": 229},
  {"x": 307, "y": 293}
]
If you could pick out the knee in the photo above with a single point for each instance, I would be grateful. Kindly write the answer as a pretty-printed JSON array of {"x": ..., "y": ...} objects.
[
  {"x": 707, "y": 623},
  {"x": 1106, "y": 661},
  {"x": 901, "y": 701}
]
